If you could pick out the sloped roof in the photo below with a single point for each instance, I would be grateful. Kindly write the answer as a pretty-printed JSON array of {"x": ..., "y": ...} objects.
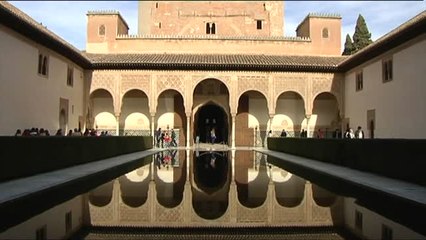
[
  {"x": 20, "y": 22},
  {"x": 215, "y": 62}
]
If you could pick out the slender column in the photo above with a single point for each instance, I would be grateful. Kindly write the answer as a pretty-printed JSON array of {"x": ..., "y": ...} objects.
[
  {"x": 233, "y": 131},
  {"x": 188, "y": 125},
  {"x": 153, "y": 128},
  {"x": 117, "y": 129},
  {"x": 308, "y": 116}
]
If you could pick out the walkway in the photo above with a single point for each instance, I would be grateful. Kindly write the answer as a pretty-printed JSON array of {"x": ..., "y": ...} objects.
[
  {"x": 20, "y": 195},
  {"x": 404, "y": 200}
]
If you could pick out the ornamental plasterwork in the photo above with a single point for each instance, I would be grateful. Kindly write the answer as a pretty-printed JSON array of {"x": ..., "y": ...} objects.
[
  {"x": 328, "y": 84},
  {"x": 290, "y": 83},
  {"x": 289, "y": 215},
  {"x": 103, "y": 81},
  {"x": 257, "y": 83},
  {"x": 252, "y": 215},
  {"x": 176, "y": 82},
  {"x": 135, "y": 81},
  {"x": 196, "y": 79},
  {"x": 131, "y": 214},
  {"x": 163, "y": 214}
]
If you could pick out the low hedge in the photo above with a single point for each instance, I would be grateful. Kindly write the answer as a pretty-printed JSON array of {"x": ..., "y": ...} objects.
[
  {"x": 403, "y": 159},
  {"x": 25, "y": 156}
]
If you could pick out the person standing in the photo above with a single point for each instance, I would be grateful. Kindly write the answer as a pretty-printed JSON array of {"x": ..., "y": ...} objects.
[
  {"x": 213, "y": 135},
  {"x": 359, "y": 133},
  {"x": 283, "y": 133},
  {"x": 173, "y": 143}
]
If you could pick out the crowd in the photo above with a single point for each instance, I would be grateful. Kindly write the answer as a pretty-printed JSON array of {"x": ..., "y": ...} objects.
[
  {"x": 359, "y": 133},
  {"x": 59, "y": 132},
  {"x": 165, "y": 138}
]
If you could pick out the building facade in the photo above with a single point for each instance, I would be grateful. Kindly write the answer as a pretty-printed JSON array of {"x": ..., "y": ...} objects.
[{"x": 240, "y": 80}]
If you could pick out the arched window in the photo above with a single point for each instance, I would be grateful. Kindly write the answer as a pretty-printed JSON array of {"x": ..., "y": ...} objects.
[
  {"x": 44, "y": 66},
  {"x": 207, "y": 28},
  {"x": 325, "y": 32},
  {"x": 40, "y": 63},
  {"x": 102, "y": 30},
  {"x": 210, "y": 28}
]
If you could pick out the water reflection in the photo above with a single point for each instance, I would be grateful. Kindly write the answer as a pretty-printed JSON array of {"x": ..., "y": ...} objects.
[{"x": 186, "y": 188}]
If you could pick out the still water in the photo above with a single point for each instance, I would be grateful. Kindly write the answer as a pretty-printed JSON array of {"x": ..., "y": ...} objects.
[{"x": 203, "y": 188}]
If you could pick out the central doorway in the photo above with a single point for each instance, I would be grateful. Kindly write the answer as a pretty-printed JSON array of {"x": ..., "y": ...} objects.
[{"x": 208, "y": 117}]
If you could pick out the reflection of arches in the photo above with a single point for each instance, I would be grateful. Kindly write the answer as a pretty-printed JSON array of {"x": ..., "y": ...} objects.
[
  {"x": 134, "y": 186},
  {"x": 211, "y": 171},
  {"x": 290, "y": 193},
  {"x": 322, "y": 197},
  {"x": 101, "y": 195},
  {"x": 325, "y": 113}
]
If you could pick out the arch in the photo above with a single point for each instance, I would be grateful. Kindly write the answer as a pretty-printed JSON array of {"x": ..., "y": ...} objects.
[
  {"x": 290, "y": 193},
  {"x": 290, "y": 114},
  {"x": 134, "y": 186},
  {"x": 134, "y": 113},
  {"x": 63, "y": 122},
  {"x": 325, "y": 33},
  {"x": 254, "y": 90},
  {"x": 290, "y": 91},
  {"x": 325, "y": 116},
  {"x": 162, "y": 91},
  {"x": 130, "y": 90},
  {"x": 101, "y": 30},
  {"x": 207, "y": 117},
  {"x": 323, "y": 197},
  {"x": 102, "y": 195},
  {"x": 199, "y": 80}
]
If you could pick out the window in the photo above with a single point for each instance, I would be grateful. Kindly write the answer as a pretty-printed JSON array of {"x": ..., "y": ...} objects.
[
  {"x": 41, "y": 233},
  {"x": 358, "y": 220},
  {"x": 386, "y": 233},
  {"x": 259, "y": 24},
  {"x": 43, "y": 64},
  {"x": 101, "y": 30},
  {"x": 68, "y": 222},
  {"x": 70, "y": 76},
  {"x": 325, "y": 32},
  {"x": 156, "y": 5},
  {"x": 210, "y": 28},
  {"x": 359, "y": 81},
  {"x": 387, "y": 70}
]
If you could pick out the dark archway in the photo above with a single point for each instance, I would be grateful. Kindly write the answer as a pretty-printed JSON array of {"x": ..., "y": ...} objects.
[{"x": 208, "y": 117}]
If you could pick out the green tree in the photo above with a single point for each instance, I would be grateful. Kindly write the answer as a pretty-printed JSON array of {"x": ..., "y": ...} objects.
[
  {"x": 349, "y": 46},
  {"x": 361, "y": 37}
]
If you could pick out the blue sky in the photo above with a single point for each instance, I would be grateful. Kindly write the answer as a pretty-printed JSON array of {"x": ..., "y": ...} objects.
[{"x": 68, "y": 18}]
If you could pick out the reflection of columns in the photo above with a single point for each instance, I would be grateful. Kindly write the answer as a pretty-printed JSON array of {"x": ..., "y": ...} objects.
[
  {"x": 188, "y": 120},
  {"x": 187, "y": 201},
  {"x": 309, "y": 201},
  {"x": 308, "y": 116},
  {"x": 270, "y": 200},
  {"x": 233, "y": 131},
  {"x": 116, "y": 195},
  {"x": 117, "y": 117},
  {"x": 233, "y": 202},
  {"x": 152, "y": 200}
]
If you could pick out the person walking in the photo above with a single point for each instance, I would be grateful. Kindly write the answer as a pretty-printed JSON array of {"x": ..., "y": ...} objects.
[
  {"x": 173, "y": 143},
  {"x": 359, "y": 133},
  {"x": 213, "y": 135}
]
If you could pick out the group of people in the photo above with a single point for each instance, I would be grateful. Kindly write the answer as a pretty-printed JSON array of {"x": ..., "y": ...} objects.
[
  {"x": 59, "y": 132},
  {"x": 165, "y": 138},
  {"x": 359, "y": 133}
]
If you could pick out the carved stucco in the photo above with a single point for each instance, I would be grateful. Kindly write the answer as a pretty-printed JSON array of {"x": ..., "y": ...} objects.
[{"x": 307, "y": 85}]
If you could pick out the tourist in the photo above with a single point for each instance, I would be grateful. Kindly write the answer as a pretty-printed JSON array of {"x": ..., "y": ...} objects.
[
  {"x": 283, "y": 133},
  {"x": 18, "y": 133},
  {"x": 349, "y": 133},
  {"x": 174, "y": 143},
  {"x": 359, "y": 133},
  {"x": 320, "y": 134},
  {"x": 59, "y": 132},
  {"x": 213, "y": 135}
]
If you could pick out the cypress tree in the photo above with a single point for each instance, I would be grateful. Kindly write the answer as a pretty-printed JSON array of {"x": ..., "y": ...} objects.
[
  {"x": 349, "y": 46},
  {"x": 361, "y": 37}
]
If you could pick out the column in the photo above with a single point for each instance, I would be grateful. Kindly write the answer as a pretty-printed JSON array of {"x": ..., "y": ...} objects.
[
  {"x": 117, "y": 129},
  {"x": 153, "y": 128},
  {"x": 188, "y": 125},
  {"x": 308, "y": 116},
  {"x": 233, "y": 131}
]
